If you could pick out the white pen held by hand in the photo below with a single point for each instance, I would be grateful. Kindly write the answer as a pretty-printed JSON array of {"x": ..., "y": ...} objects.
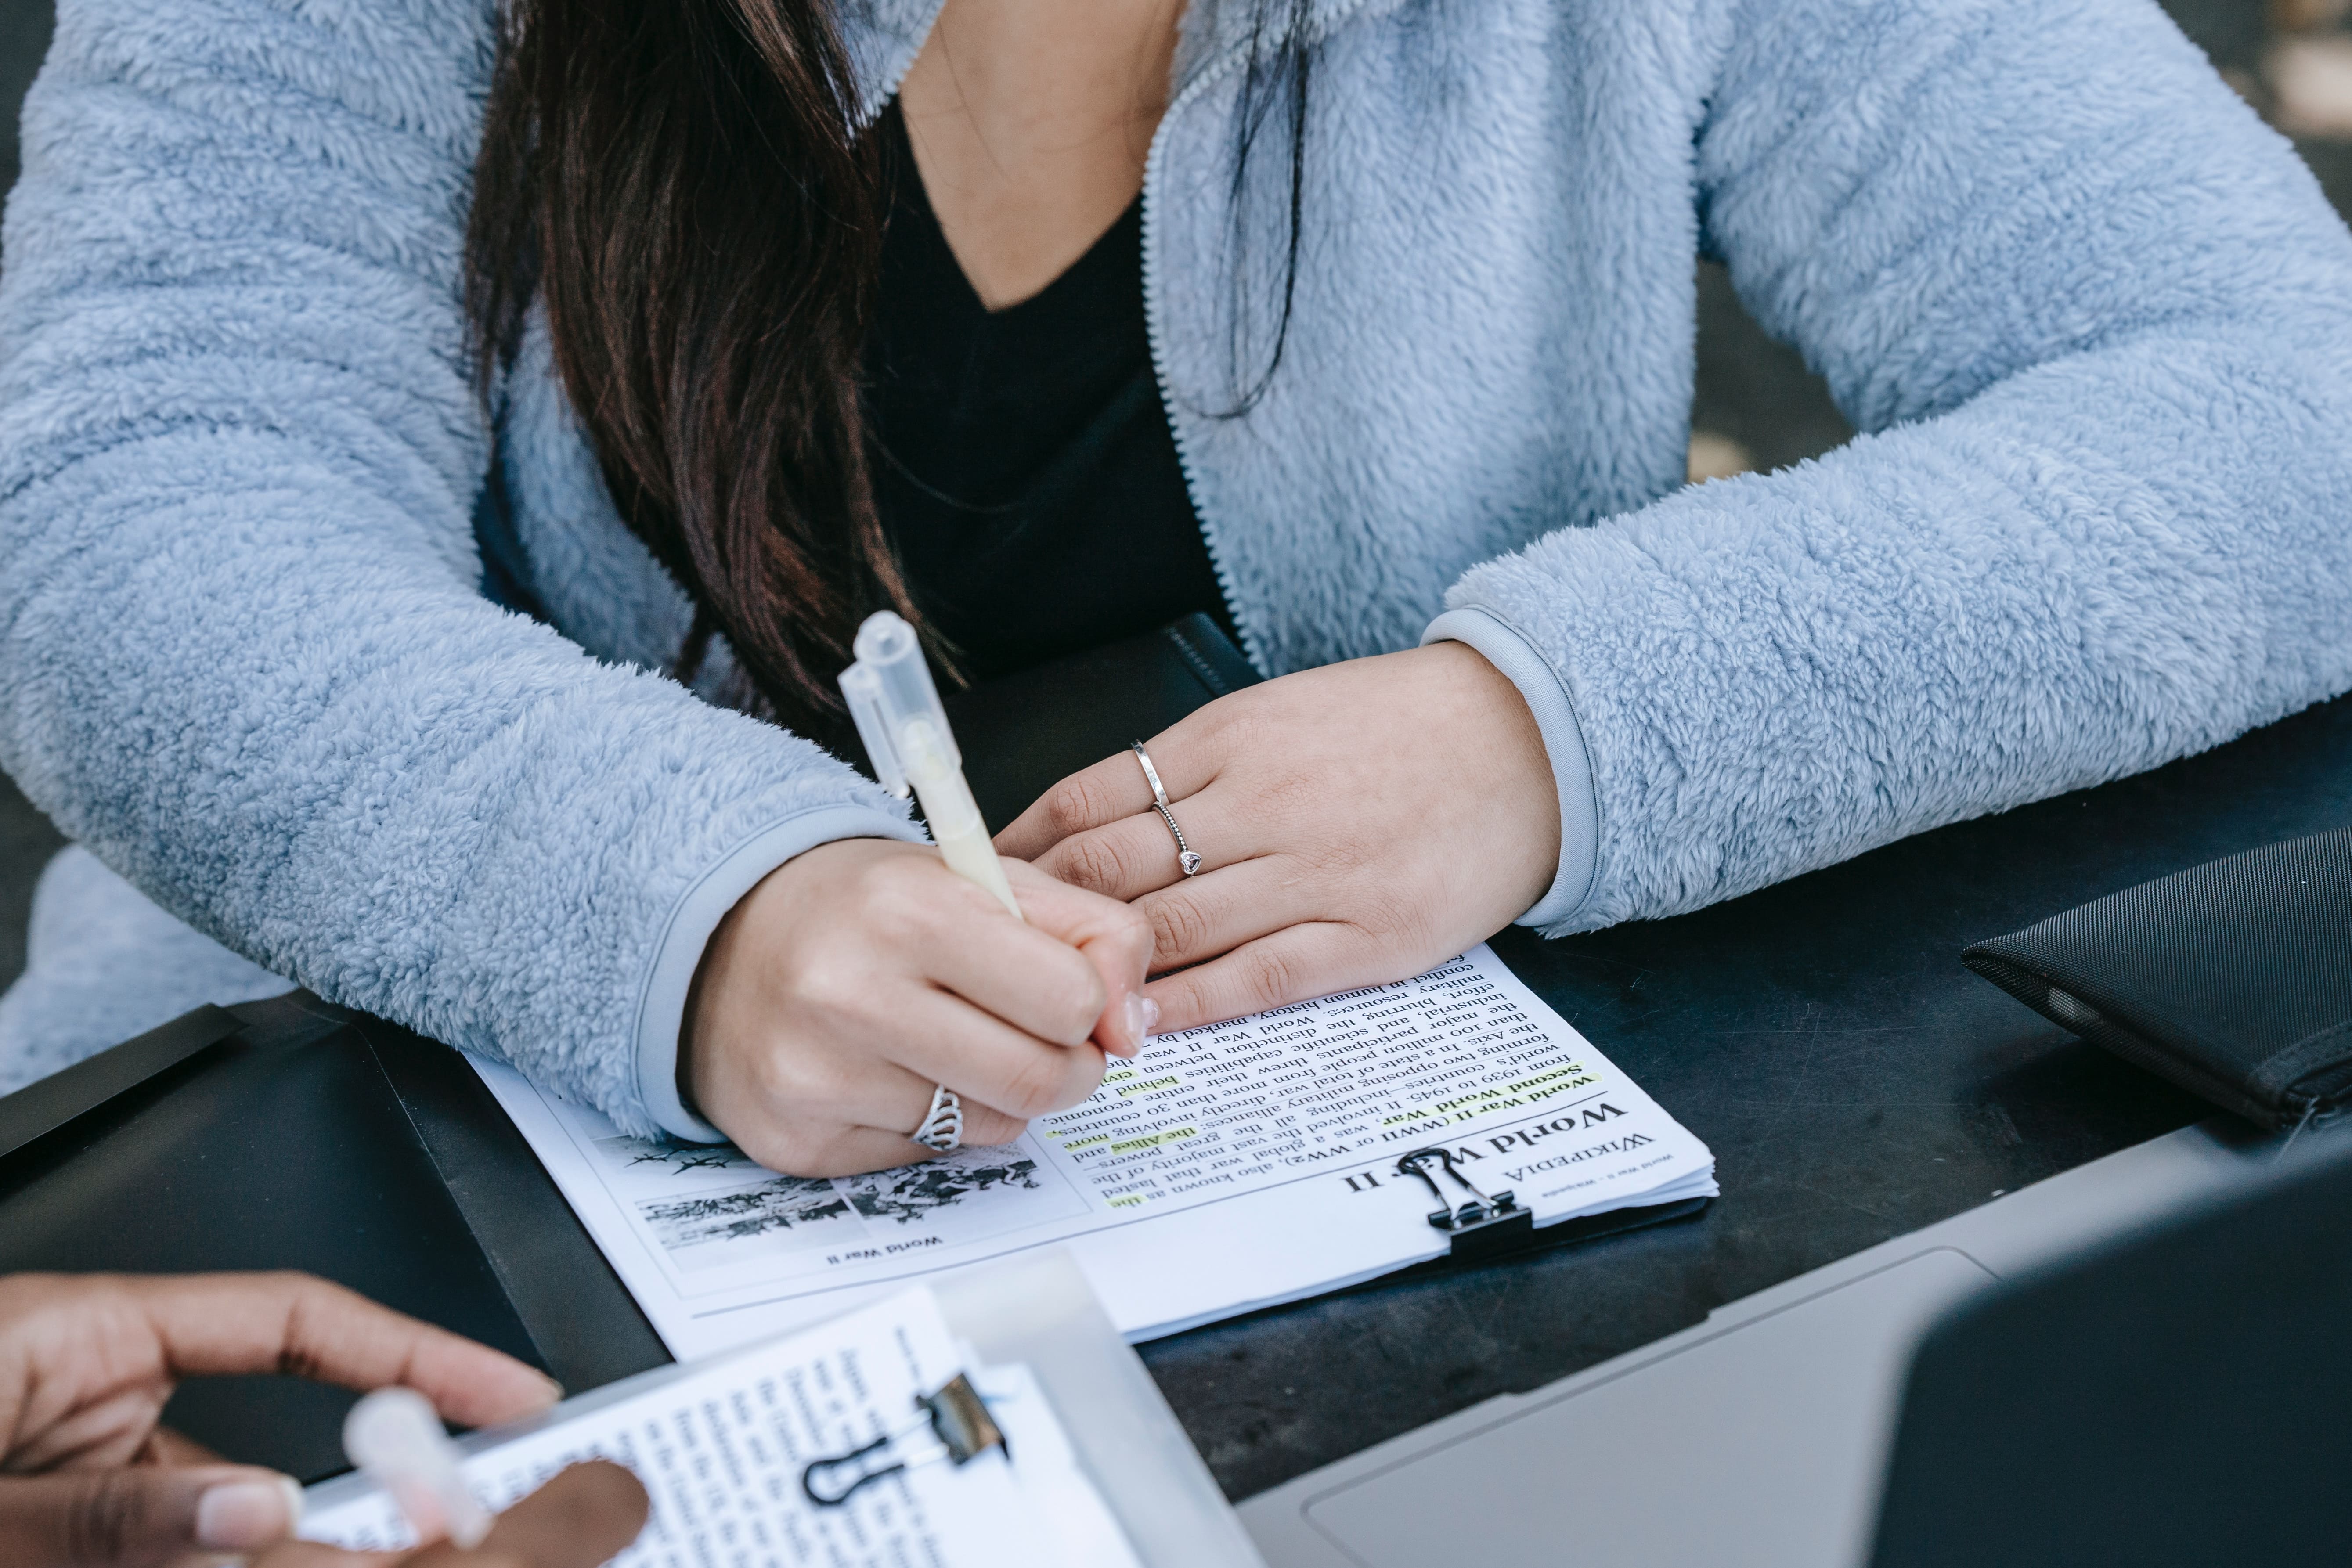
[
  {"x": 906, "y": 732},
  {"x": 394, "y": 1436}
]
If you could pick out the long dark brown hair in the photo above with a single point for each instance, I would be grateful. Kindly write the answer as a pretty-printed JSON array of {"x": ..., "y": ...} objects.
[{"x": 685, "y": 185}]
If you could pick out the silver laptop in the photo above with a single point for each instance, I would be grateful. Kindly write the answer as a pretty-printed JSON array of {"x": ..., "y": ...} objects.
[{"x": 1753, "y": 1440}]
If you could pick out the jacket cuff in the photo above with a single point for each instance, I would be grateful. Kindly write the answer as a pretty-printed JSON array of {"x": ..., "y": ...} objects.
[
  {"x": 1563, "y": 739},
  {"x": 661, "y": 1002}
]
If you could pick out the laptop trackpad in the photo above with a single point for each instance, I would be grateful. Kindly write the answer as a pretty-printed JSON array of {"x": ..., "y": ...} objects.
[{"x": 1762, "y": 1444}]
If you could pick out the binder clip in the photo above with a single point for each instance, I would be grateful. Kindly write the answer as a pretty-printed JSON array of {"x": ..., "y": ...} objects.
[
  {"x": 956, "y": 1417},
  {"x": 1480, "y": 1226}
]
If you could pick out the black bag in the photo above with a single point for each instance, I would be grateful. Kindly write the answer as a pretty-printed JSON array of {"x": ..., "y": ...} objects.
[{"x": 2234, "y": 979}]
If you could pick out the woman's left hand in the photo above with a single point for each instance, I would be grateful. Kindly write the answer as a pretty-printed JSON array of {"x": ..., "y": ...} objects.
[{"x": 1357, "y": 823}]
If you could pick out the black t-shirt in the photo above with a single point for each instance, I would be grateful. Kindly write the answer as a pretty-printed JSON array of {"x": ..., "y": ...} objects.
[{"x": 1023, "y": 463}]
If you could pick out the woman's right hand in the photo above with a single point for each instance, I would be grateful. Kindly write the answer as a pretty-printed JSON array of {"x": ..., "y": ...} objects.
[{"x": 862, "y": 972}]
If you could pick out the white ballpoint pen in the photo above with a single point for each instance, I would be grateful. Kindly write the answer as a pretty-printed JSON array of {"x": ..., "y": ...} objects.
[
  {"x": 899, "y": 717},
  {"x": 395, "y": 1435}
]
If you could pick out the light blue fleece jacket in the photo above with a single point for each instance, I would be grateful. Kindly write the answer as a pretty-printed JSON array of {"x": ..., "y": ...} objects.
[{"x": 2094, "y": 321}]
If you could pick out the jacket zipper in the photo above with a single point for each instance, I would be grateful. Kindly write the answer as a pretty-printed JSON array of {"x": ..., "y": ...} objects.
[
  {"x": 869, "y": 112},
  {"x": 1202, "y": 79}
]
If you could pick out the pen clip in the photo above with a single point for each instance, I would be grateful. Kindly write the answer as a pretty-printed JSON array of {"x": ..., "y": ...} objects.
[{"x": 861, "y": 689}]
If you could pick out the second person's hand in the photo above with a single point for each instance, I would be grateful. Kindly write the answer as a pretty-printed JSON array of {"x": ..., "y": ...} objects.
[
  {"x": 584, "y": 1515},
  {"x": 89, "y": 1479},
  {"x": 863, "y": 973}
]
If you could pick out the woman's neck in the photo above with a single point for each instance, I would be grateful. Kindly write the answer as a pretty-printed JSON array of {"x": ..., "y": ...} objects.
[{"x": 1031, "y": 121}]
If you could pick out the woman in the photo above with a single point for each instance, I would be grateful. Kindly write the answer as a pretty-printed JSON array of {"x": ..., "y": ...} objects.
[{"x": 327, "y": 326}]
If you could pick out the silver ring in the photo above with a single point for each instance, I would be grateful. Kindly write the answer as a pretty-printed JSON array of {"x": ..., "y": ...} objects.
[
  {"x": 1186, "y": 861},
  {"x": 942, "y": 1127}
]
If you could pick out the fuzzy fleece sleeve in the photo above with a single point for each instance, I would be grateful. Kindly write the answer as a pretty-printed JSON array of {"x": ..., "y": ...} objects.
[
  {"x": 2096, "y": 322},
  {"x": 243, "y": 654}
]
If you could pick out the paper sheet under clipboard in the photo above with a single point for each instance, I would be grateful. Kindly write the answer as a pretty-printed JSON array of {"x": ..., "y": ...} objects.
[
  {"x": 721, "y": 1446},
  {"x": 1224, "y": 1169}
]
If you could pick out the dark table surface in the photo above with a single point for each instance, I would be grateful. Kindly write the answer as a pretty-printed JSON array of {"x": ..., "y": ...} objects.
[{"x": 1852, "y": 1079}]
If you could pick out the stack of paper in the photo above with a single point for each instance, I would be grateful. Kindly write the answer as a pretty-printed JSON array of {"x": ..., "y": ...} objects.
[
  {"x": 722, "y": 1448},
  {"x": 1224, "y": 1169}
]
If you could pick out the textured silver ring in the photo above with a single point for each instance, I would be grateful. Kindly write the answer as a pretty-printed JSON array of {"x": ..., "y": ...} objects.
[
  {"x": 942, "y": 1128},
  {"x": 1186, "y": 861}
]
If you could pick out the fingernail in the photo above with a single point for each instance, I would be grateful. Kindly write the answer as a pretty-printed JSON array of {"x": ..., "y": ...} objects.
[
  {"x": 241, "y": 1516},
  {"x": 554, "y": 1389},
  {"x": 1142, "y": 1013}
]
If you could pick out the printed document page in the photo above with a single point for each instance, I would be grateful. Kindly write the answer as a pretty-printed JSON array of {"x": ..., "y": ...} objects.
[
  {"x": 1225, "y": 1168},
  {"x": 721, "y": 1449}
]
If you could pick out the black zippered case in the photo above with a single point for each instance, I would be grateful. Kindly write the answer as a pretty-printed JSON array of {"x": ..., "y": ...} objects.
[{"x": 2234, "y": 979}]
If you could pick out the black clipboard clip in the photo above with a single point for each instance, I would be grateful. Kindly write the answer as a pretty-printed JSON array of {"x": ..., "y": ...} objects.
[
  {"x": 1479, "y": 1226},
  {"x": 956, "y": 1417}
]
